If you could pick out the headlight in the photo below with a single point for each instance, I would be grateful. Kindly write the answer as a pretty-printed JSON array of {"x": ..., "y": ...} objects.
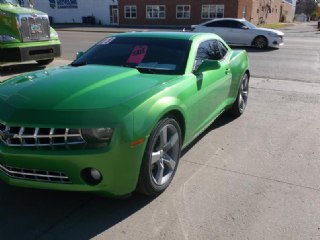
[
  {"x": 54, "y": 35},
  {"x": 97, "y": 135},
  {"x": 7, "y": 38}
]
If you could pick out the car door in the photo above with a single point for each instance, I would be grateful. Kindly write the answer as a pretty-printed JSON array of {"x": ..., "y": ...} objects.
[
  {"x": 219, "y": 27},
  {"x": 238, "y": 33},
  {"x": 213, "y": 85}
]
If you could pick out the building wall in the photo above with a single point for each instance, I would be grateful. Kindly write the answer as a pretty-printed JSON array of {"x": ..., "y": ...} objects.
[
  {"x": 230, "y": 10},
  {"x": 97, "y": 8},
  {"x": 269, "y": 11},
  {"x": 287, "y": 11},
  {"x": 256, "y": 11},
  {"x": 245, "y": 9}
]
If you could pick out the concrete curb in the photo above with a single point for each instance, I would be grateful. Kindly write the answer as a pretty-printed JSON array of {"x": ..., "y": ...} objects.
[{"x": 87, "y": 30}]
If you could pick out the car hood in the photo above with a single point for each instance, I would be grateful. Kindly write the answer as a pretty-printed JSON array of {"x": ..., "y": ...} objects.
[
  {"x": 89, "y": 95},
  {"x": 264, "y": 30},
  {"x": 77, "y": 88}
]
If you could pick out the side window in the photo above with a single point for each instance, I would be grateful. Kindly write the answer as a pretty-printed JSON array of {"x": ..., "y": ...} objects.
[
  {"x": 235, "y": 24},
  {"x": 211, "y": 24},
  {"x": 208, "y": 50},
  {"x": 220, "y": 23},
  {"x": 223, "y": 49},
  {"x": 224, "y": 23}
]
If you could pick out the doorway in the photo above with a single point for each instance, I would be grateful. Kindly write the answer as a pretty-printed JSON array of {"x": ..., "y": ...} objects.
[{"x": 114, "y": 14}]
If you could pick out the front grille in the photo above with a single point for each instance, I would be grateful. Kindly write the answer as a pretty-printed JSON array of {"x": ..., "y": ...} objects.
[
  {"x": 35, "y": 175},
  {"x": 39, "y": 137},
  {"x": 34, "y": 28}
]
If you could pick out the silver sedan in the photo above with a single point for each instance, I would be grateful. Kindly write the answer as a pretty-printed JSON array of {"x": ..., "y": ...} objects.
[{"x": 241, "y": 32}]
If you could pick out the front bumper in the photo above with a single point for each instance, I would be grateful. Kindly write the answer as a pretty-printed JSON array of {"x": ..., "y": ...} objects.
[
  {"x": 276, "y": 41},
  {"x": 20, "y": 54},
  {"x": 119, "y": 166}
]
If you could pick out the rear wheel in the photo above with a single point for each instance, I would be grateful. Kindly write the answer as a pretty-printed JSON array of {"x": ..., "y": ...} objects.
[
  {"x": 260, "y": 42},
  {"x": 45, "y": 61},
  {"x": 240, "y": 104},
  {"x": 161, "y": 158}
]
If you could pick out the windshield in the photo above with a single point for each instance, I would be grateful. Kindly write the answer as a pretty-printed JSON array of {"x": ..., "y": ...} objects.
[
  {"x": 15, "y": 2},
  {"x": 250, "y": 25},
  {"x": 148, "y": 55}
]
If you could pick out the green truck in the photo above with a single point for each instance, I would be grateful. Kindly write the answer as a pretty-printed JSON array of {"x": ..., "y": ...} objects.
[{"x": 25, "y": 34}]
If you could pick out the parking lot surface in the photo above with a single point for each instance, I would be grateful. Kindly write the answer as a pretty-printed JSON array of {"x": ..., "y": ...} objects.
[{"x": 256, "y": 177}]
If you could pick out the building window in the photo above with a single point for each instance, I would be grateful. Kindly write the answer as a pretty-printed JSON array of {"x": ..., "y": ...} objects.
[
  {"x": 212, "y": 11},
  {"x": 244, "y": 12},
  {"x": 130, "y": 11},
  {"x": 183, "y": 11},
  {"x": 156, "y": 11}
]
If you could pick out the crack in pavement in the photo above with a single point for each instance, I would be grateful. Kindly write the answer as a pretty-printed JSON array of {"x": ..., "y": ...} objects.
[
  {"x": 286, "y": 79},
  {"x": 254, "y": 176}
]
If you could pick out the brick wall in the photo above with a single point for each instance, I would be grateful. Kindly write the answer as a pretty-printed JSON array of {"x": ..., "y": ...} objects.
[
  {"x": 256, "y": 11},
  {"x": 269, "y": 11},
  {"x": 230, "y": 10},
  {"x": 244, "y": 9},
  {"x": 287, "y": 12}
]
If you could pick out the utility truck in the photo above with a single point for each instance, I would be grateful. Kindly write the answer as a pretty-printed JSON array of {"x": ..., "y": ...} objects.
[{"x": 25, "y": 34}]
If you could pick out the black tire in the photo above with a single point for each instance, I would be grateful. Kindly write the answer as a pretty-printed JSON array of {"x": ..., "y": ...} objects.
[
  {"x": 240, "y": 104},
  {"x": 161, "y": 158},
  {"x": 260, "y": 42},
  {"x": 45, "y": 61}
]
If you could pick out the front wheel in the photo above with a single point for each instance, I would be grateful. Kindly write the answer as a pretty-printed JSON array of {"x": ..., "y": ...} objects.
[
  {"x": 240, "y": 104},
  {"x": 45, "y": 61},
  {"x": 161, "y": 157},
  {"x": 260, "y": 42}
]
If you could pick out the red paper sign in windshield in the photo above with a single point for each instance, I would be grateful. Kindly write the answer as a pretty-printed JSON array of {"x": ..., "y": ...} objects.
[{"x": 138, "y": 54}]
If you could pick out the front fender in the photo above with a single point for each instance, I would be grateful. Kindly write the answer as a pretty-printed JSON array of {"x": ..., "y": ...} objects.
[
  {"x": 148, "y": 115},
  {"x": 53, "y": 34},
  {"x": 5, "y": 30}
]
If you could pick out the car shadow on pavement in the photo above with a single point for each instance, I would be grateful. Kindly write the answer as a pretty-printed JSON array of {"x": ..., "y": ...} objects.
[
  {"x": 42, "y": 214},
  {"x": 219, "y": 122},
  {"x": 7, "y": 70}
]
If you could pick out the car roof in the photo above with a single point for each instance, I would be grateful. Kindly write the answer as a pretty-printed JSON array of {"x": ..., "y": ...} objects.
[
  {"x": 222, "y": 19},
  {"x": 168, "y": 35}
]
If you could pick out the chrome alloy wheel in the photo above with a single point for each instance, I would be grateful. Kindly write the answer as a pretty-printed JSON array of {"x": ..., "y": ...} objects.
[
  {"x": 243, "y": 93},
  {"x": 165, "y": 154},
  {"x": 261, "y": 42}
]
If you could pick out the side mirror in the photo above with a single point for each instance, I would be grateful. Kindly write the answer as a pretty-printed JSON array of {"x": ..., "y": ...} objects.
[
  {"x": 245, "y": 27},
  {"x": 207, "y": 65},
  {"x": 79, "y": 55}
]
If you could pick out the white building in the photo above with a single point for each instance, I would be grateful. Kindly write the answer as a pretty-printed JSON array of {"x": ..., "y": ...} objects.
[{"x": 76, "y": 11}]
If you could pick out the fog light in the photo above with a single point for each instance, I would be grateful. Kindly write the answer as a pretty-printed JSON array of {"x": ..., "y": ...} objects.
[{"x": 91, "y": 176}]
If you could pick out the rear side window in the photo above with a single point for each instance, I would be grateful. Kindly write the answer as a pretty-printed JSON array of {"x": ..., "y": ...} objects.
[{"x": 221, "y": 23}]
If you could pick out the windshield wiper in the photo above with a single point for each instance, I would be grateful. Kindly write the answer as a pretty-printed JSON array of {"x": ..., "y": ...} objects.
[
  {"x": 128, "y": 66},
  {"x": 78, "y": 64},
  {"x": 146, "y": 70}
]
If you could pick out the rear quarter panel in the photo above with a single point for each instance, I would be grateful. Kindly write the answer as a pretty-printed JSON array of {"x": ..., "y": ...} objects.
[{"x": 239, "y": 64}]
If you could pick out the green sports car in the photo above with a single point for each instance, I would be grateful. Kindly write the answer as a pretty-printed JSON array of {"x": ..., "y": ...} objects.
[{"x": 115, "y": 119}]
